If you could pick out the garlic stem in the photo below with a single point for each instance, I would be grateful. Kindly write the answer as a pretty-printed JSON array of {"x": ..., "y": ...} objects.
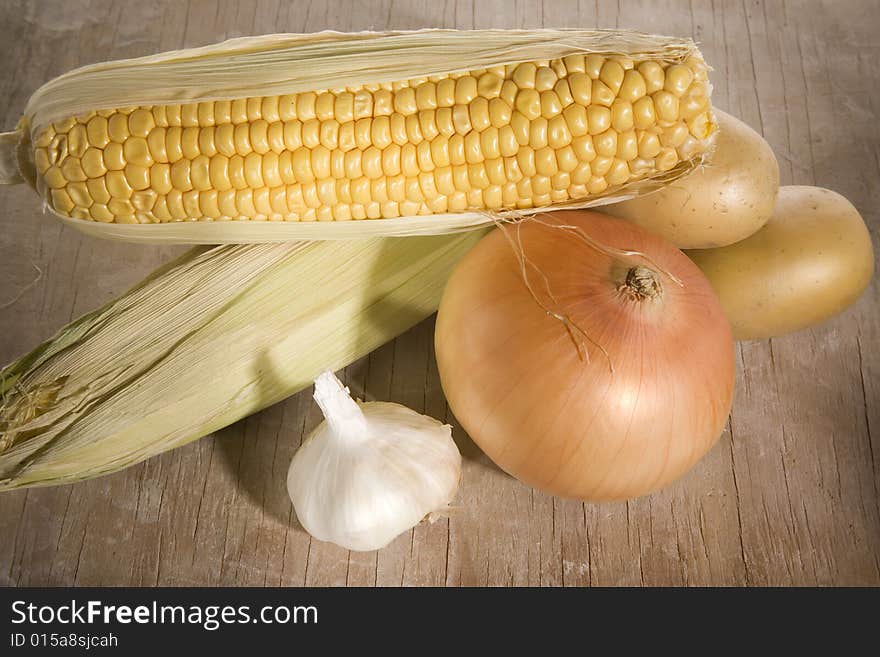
[{"x": 342, "y": 413}]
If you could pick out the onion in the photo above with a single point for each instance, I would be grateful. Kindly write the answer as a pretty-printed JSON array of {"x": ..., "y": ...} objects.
[{"x": 585, "y": 371}]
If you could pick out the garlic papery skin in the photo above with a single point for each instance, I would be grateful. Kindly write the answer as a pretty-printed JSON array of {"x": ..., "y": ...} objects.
[{"x": 371, "y": 470}]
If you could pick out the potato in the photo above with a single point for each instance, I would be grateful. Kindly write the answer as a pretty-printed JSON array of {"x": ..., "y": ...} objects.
[
  {"x": 718, "y": 204},
  {"x": 811, "y": 260}
]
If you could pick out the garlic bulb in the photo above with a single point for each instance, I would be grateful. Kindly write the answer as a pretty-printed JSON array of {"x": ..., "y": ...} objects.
[{"x": 371, "y": 470}]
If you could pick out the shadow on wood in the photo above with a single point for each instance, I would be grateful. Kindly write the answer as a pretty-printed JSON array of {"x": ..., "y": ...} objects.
[{"x": 404, "y": 371}]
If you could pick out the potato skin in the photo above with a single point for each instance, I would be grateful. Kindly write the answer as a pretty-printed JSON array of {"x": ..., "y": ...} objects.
[
  {"x": 718, "y": 204},
  {"x": 810, "y": 261}
]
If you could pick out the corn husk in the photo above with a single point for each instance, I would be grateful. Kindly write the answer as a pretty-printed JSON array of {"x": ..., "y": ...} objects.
[
  {"x": 206, "y": 340},
  {"x": 292, "y": 63}
]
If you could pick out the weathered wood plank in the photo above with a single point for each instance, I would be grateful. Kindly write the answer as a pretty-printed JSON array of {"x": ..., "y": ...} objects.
[{"x": 789, "y": 496}]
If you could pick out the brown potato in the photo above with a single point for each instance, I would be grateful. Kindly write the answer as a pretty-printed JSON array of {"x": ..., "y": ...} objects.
[
  {"x": 718, "y": 204},
  {"x": 810, "y": 261}
]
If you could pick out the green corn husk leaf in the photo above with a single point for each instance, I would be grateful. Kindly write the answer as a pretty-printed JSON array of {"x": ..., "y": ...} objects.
[{"x": 204, "y": 341}]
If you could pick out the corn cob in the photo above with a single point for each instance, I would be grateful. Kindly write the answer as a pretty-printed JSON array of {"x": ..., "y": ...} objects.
[
  {"x": 585, "y": 124},
  {"x": 519, "y": 136},
  {"x": 205, "y": 341}
]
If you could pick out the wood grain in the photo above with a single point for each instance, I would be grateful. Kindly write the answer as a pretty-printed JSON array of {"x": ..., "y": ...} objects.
[{"x": 789, "y": 495}]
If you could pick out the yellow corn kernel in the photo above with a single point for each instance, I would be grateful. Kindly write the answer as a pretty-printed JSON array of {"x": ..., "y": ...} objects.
[{"x": 517, "y": 136}]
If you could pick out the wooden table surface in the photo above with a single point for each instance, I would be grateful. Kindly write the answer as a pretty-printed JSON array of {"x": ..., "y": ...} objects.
[{"x": 788, "y": 496}]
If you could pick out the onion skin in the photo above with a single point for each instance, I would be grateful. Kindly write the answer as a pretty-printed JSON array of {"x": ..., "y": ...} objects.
[{"x": 513, "y": 377}]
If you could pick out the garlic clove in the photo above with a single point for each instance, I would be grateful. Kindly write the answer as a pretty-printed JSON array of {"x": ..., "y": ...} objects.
[{"x": 370, "y": 471}]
